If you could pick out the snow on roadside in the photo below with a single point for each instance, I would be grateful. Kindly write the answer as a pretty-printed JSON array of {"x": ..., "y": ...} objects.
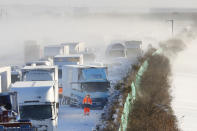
[
  {"x": 185, "y": 102},
  {"x": 185, "y": 89}
]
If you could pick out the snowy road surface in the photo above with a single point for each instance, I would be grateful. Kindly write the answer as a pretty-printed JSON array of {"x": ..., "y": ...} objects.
[
  {"x": 72, "y": 119},
  {"x": 185, "y": 89}
]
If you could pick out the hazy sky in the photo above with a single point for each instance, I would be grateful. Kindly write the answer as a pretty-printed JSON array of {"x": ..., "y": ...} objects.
[
  {"x": 50, "y": 26},
  {"x": 112, "y": 3}
]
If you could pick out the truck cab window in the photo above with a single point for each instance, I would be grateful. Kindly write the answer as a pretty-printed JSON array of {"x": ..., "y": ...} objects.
[
  {"x": 36, "y": 75},
  {"x": 96, "y": 86},
  {"x": 59, "y": 73},
  {"x": 36, "y": 112}
]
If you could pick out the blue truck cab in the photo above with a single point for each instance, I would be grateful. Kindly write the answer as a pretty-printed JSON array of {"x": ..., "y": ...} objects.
[{"x": 80, "y": 80}]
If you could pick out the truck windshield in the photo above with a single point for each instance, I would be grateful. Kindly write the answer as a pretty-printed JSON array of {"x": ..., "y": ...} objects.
[
  {"x": 6, "y": 102},
  {"x": 95, "y": 86},
  {"x": 67, "y": 59},
  {"x": 35, "y": 112},
  {"x": 15, "y": 77},
  {"x": 38, "y": 75}
]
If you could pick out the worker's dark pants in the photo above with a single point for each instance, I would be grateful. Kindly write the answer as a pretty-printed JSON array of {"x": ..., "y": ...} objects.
[{"x": 86, "y": 109}]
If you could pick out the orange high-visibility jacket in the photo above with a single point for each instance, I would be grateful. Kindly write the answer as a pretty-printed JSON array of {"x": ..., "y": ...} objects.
[{"x": 87, "y": 100}]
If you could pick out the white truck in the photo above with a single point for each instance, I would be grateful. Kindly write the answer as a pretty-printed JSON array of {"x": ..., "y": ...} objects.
[
  {"x": 75, "y": 47},
  {"x": 5, "y": 78},
  {"x": 52, "y": 50},
  {"x": 116, "y": 50},
  {"x": 80, "y": 80},
  {"x": 38, "y": 102},
  {"x": 133, "y": 49},
  {"x": 10, "y": 116},
  {"x": 61, "y": 60},
  {"x": 39, "y": 73}
]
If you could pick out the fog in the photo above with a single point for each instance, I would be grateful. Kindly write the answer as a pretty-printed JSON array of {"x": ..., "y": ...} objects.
[
  {"x": 50, "y": 22},
  {"x": 185, "y": 62},
  {"x": 57, "y": 21},
  {"x": 95, "y": 31},
  {"x": 108, "y": 3}
]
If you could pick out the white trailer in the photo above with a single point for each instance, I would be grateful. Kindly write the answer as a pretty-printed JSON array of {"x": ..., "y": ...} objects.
[
  {"x": 38, "y": 103},
  {"x": 80, "y": 80},
  {"x": 53, "y": 50},
  {"x": 61, "y": 60},
  {"x": 75, "y": 47},
  {"x": 73, "y": 59},
  {"x": 5, "y": 78}
]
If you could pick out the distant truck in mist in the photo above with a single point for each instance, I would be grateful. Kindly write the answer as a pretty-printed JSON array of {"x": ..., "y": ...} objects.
[
  {"x": 32, "y": 51},
  {"x": 52, "y": 50},
  {"x": 116, "y": 50},
  {"x": 75, "y": 47},
  {"x": 80, "y": 80},
  {"x": 128, "y": 49},
  {"x": 61, "y": 60},
  {"x": 5, "y": 78},
  {"x": 133, "y": 49},
  {"x": 38, "y": 102}
]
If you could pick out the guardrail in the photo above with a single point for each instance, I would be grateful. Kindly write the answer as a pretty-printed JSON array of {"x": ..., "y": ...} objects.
[{"x": 132, "y": 95}]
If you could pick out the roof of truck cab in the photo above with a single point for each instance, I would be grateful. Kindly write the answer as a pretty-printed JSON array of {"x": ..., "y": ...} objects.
[
  {"x": 72, "y": 55},
  {"x": 38, "y": 67},
  {"x": 24, "y": 84},
  {"x": 53, "y": 46},
  {"x": 86, "y": 66},
  {"x": 31, "y": 92},
  {"x": 41, "y": 61},
  {"x": 72, "y": 43},
  {"x": 133, "y": 44}
]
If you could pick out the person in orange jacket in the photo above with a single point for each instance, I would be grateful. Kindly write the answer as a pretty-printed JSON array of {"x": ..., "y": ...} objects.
[{"x": 87, "y": 102}]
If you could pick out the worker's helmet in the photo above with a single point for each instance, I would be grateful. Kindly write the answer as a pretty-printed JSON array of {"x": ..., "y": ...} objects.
[{"x": 88, "y": 95}]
